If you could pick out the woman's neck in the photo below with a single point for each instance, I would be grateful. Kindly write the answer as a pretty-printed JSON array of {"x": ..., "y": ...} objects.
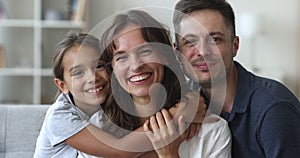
[
  {"x": 228, "y": 89},
  {"x": 144, "y": 107}
]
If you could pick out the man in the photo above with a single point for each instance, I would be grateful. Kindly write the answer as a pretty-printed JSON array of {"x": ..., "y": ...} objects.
[{"x": 263, "y": 115}]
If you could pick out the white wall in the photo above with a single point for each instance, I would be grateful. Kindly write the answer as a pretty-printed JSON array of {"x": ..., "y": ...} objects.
[
  {"x": 277, "y": 48},
  {"x": 101, "y": 9}
]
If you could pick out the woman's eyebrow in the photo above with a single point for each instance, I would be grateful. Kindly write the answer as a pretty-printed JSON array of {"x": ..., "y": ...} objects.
[
  {"x": 187, "y": 36},
  {"x": 118, "y": 52},
  {"x": 147, "y": 45}
]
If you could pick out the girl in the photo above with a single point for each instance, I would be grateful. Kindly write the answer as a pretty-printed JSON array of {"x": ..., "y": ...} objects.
[{"x": 82, "y": 79}]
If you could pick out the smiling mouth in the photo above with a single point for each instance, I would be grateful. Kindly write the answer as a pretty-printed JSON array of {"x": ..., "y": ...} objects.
[
  {"x": 95, "y": 90},
  {"x": 140, "y": 77}
]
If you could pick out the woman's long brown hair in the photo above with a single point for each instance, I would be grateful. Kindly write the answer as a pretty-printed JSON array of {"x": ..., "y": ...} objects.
[{"x": 152, "y": 31}]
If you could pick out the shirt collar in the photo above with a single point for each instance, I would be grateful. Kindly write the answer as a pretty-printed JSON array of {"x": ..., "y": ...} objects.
[{"x": 244, "y": 90}]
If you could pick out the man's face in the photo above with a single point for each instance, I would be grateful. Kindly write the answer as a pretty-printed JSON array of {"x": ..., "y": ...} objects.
[{"x": 208, "y": 45}]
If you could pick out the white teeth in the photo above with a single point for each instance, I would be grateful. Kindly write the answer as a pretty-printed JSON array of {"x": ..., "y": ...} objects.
[
  {"x": 140, "y": 77},
  {"x": 95, "y": 90}
]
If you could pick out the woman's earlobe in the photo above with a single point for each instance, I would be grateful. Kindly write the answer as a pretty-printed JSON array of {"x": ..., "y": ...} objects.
[{"x": 175, "y": 46}]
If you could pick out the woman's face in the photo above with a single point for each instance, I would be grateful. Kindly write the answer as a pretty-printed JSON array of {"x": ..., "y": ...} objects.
[{"x": 136, "y": 63}]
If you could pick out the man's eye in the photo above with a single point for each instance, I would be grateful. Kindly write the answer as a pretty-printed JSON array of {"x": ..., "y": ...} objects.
[{"x": 214, "y": 40}]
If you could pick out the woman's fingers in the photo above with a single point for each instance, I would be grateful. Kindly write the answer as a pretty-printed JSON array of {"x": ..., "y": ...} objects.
[
  {"x": 160, "y": 120},
  {"x": 146, "y": 126},
  {"x": 153, "y": 123},
  {"x": 167, "y": 117}
]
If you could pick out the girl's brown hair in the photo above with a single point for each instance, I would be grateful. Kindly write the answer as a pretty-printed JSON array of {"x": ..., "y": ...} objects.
[{"x": 70, "y": 39}]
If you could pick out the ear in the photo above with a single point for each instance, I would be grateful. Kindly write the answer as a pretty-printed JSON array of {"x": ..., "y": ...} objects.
[
  {"x": 175, "y": 47},
  {"x": 236, "y": 45},
  {"x": 61, "y": 85}
]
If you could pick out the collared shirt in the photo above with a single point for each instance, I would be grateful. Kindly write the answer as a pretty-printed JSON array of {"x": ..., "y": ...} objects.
[{"x": 265, "y": 118}]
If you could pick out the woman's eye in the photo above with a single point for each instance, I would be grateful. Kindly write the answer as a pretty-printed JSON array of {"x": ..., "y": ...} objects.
[
  {"x": 121, "y": 58},
  {"x": 145, "y": 52},
  {"x": 189, "y": 43},
  {"x": 100, "y": 66}
]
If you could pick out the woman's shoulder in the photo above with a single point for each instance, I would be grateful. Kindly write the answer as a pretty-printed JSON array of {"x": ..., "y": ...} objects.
[{"x": 213, "y": 124}]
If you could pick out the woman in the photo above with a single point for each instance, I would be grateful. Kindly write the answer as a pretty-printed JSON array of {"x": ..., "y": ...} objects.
[{"x": 147, "y": 77}]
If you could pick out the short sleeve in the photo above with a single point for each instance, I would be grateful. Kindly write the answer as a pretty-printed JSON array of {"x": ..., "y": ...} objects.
[
  {"x": 279, "y": 132},
  {"x": 63, "y": 122}
]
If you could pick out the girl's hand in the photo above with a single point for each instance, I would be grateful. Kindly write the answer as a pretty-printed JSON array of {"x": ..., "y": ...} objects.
[{"x": 163, "y": 134}]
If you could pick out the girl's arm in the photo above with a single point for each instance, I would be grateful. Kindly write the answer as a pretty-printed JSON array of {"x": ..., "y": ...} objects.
[{"x": 94, "y": 141}]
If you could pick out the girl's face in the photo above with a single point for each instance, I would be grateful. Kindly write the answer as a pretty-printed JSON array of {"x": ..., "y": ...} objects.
[
  {"x": 85, "y": 76},
  {"x": 136, "y": 63}
]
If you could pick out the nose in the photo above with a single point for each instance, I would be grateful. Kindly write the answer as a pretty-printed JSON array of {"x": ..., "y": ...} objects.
[
  {"x": 92, "y": 77},
  {"x": 136, "y": 63},
  {"x": 202, "y": 49}
]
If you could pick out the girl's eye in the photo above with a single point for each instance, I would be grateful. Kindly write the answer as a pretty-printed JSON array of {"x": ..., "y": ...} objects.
[{"x": 77, "y": 73}]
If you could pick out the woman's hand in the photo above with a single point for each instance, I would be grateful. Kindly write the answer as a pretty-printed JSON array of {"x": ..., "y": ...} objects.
[{"x": 163, "y": 134}]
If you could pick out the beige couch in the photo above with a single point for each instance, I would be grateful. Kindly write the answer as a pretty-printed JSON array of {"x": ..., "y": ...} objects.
[{"x": 19, "y": 128}]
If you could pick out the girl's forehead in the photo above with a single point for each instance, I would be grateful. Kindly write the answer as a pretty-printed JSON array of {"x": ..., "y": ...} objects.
[{"x": 80, "y": 54}]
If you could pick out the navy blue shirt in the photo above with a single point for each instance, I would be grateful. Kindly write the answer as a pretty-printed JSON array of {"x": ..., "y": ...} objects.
[{"x": 265, "y": 119}]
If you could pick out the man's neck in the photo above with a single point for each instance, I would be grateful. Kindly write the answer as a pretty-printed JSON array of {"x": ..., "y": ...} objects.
[
  {"x": 219, "y": 89},
  {"x": 232, "y": 82}
]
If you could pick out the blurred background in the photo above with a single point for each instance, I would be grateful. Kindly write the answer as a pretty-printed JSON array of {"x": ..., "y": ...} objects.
[{"x": 268, "y": 30}]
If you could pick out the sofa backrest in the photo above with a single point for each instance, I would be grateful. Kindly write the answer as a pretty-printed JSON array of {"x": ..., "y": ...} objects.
[{"x": 19, "y": 128}]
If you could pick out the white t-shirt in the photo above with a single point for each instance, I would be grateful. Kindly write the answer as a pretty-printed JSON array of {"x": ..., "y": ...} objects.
[
  {"x": 213, "y": 141},
  {"x": 63, "y": 119}
]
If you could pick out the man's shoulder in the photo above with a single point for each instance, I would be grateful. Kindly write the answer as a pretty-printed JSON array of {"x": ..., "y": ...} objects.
[
  {"x": 263, "y": 87},
  {"x": 270, "y": 89}
]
